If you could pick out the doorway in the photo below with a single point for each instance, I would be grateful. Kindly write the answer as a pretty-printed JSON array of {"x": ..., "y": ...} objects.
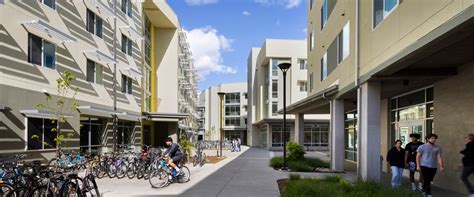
[{"x": 404, "y": 129}]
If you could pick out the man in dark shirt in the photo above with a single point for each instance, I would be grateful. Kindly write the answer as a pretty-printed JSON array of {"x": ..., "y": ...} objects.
[
  {"x": 468, "y": 163},
  {"x": 410, "y": 159},
  {"x": 174, "y": 152}
]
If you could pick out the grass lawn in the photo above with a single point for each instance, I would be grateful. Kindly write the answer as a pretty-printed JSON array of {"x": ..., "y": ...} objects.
[
  {"x": 306, "y": 164},
  {"x": 337, "y": 186}
]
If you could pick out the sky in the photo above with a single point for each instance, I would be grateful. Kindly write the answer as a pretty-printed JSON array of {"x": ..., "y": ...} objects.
[{"x": 221, "y": 33}]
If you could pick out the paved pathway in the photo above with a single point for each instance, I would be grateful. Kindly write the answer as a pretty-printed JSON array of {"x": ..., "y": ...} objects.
[{"x": 247, "y": 175}]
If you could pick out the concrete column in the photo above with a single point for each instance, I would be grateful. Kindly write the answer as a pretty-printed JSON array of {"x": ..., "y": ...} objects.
[
  {"x": 369, "y": 147},
  {"x": 269, "y": 136},
  {"x": 337, "y": 134},
  {"x": 299, "y": 128}
]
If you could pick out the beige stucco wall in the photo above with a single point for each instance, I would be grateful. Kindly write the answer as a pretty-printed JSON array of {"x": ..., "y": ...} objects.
[{"x": 166, "y": 60}]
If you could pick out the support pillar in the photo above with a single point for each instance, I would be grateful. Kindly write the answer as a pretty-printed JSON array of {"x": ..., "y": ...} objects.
[
  {"x": 299, "y": 128},
  {"x": 337, "y": 134},
  {"x": 369, "y": 147}
]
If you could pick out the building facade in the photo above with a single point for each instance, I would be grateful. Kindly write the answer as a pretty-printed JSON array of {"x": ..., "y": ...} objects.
[
  {"x": 265, "y": 93},
  {"x": 385, "y": 69},
  {"x": 234, "y": 109},
  {"x": 43, "y": 39}
]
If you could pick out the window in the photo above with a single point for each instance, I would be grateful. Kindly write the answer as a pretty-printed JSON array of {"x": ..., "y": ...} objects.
[
  {"x": 126, "y": 45},
  {"x": 41, "y": 52},
  {"x": 350, "y": 132},
  {"x": 343, "y": 43},
  {"x": 127, "y": 7},
  {"x": 245, "y": 107},
  {"x": 94, "y": 72},
  {"x": 311, "y": 3},
  {"x": 274, "y": 88},
  {"x": 127, "y": 84},
  {"x": 274, "y": 67},
  {"x": 277, "y": 137},
  {"x": 274, "y": 107},
  {"x": 232, "y": 121},
  {"x": 311, "y": 80},
  {"x": 383, "y": 8},
  {"x": 316, "y": 135},
  {"x": 245, "y": 120},
  {"x": 94, "y": 23},
  {"x": 232, "y": 98},
  {"x": 326, "y": 10},
  {"x": 311, "y": 40},
  {"x": 92, "y": 127},
  {"x": 49, "y": 3},
  {"x": 41, "y": 134},
  {"x": 232, "y": 110},
  {"x": 324, "y": 67},
  {"x": 147, "y": 28},
  {"x": 303, "y": 86},
  {"x": 245, "y": 95},
  {"x": 303, "y": 64}
]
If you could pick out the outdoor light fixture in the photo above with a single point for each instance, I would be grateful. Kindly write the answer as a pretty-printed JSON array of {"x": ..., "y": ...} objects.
[
  {"x": 221, "y": 97},
  {"x": 284, "y": 67}
]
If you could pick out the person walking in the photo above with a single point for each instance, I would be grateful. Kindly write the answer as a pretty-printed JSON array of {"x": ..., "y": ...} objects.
[
  {"x": 238, "y": 144},
  {"x": 410, "y": 160},
  {"x": 428, "y": 157},
  {"x": 468, "y": 163},
  {"x": 396, "y": 161}
]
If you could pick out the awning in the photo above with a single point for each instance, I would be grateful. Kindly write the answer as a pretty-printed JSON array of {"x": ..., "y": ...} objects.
[
  {"x": 165, "y": 117},
  {"x": 100, "y": 9},
  {"x": 48, "y": 32},
  {"x": 311, "y": 101},
  {"x": 99, "y": 57},
  {"x": 95, "y": 111},
  {"x": 131, "y": 33},
  {"x": 129, "y": 117},
  {"x": 131, "y": 72},
  {"x": 37, "y": 113}
]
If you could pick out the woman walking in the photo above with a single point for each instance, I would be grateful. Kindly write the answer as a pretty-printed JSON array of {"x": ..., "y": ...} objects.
[{"x": 396, "y": 161}]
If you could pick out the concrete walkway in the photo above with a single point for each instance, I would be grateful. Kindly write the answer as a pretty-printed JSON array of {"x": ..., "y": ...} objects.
[{"x": 247, "y": 175}]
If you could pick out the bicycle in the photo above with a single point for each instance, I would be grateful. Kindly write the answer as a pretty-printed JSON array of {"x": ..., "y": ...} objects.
[
  {"x": 199, "y": 158},
  {"x": 166, "y": 175}
]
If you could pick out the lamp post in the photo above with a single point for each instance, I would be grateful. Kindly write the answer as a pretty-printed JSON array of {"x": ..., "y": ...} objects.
[
  {"x": 221, "y": 118},
  {"x": 284, "y": 67}
]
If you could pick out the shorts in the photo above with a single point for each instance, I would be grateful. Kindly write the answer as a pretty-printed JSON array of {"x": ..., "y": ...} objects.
[
  {"x": 177, "y": 158},
  {"x": 412, "y": 166}
]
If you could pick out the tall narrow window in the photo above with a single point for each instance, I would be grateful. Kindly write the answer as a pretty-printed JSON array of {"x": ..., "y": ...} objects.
[
  {"x": 324, "y": 67},
  {"x": 324, "y": 15},
  {"x": 343, "y": 43},
  {"x": 311, "y": 80},
  {"x": 383, "y": 8},
  {"x": 127, "y": 7},
  {"x": 274, "y": 88},
  {"x": 127, "y": 84},
  {"x": 94, "y": 72},
  {"x": 126, "y": 45},
  {"x": 94, "y": 23},
  {"x": 303, "y": 64},
  {"x": 303, "y": 86},
  {"x": 41, "y": 52},
  {"x": 274, "y": 67},
  {"x": 311, "y": 3},
  {"x": 274, "y": 107},
  {"x": 311, "y": 40}
]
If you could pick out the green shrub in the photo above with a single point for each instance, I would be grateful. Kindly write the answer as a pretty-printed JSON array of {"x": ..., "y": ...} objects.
[
  {"x": 185, "y": 144},
  {"x": 276, "y": 162},
  {"x": 295, "y": 151},
  {"x": 300, "y": 166},
  {"x": 336, "y": 186},
  {"x": 316, "y": 163},
  {"x": 295, "y": 177}
]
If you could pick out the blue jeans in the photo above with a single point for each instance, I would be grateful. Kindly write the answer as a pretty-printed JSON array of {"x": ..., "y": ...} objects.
[{"x": 397, "y": 174}]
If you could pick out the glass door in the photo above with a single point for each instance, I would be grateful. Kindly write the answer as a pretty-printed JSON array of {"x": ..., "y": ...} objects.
[{"x": 407, "y": 128}]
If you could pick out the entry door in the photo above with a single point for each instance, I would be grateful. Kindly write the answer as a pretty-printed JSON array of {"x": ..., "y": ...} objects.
[{"x": 407, "y": 128}]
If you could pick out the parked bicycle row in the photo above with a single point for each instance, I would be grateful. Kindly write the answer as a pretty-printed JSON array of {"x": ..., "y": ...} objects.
[{"x": 18, "y": 178}]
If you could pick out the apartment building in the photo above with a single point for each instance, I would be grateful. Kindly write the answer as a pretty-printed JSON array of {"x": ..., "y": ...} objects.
[
  {"x": 234, "y": 109},
  {"x": 385, "y": 69},
  {"x": 265, "y": 97},
  {"x": 42, "y": 39}
]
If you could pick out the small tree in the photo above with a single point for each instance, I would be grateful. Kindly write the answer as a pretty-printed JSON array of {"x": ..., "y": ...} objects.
[
  {"x": 63, "y": 105},
  {"x": 185, "y": 144},
  {"x": 210, "y": 133}
]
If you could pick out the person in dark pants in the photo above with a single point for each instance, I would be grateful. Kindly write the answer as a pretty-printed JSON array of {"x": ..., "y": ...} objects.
[
  {"x": 468, "y": 163},
  {"x": 410, "y": 159},
  {"x": 396, "y": 161},
  {"x": 428, "y": 157}
]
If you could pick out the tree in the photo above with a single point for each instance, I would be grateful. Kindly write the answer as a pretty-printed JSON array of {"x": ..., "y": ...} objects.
[{"x": 63, "y": 105}]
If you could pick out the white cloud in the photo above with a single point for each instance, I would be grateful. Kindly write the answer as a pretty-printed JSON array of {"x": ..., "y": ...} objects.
[
  {"x": 246, "y": 13},
  {"x": 207, "y": 47},
  {"x": 200, "y": 2},
  {"x": 287, "y": 3},
  {"x": 305, "y": 30}
]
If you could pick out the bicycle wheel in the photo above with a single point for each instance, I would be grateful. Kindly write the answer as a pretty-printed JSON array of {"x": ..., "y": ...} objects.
[
  {"x": 186, "y": 176},
  {"x": 111, "y": 170},
  {"x": 131, "y": 170},
  {"x": 203, "y": 159},
  {"x": 95, "y": 167},
  {"x": 158, "y": 179},
  {"x": 42, "y": 191},
  {"x": 196, "y": 160},
  {"x": 7, "y": 190},
  {"x": 102, "y": 171},
  {"x": 90, "y": 187},
  {"x": 70, "y": 188},
  {"x": 122, "y": 170}
]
